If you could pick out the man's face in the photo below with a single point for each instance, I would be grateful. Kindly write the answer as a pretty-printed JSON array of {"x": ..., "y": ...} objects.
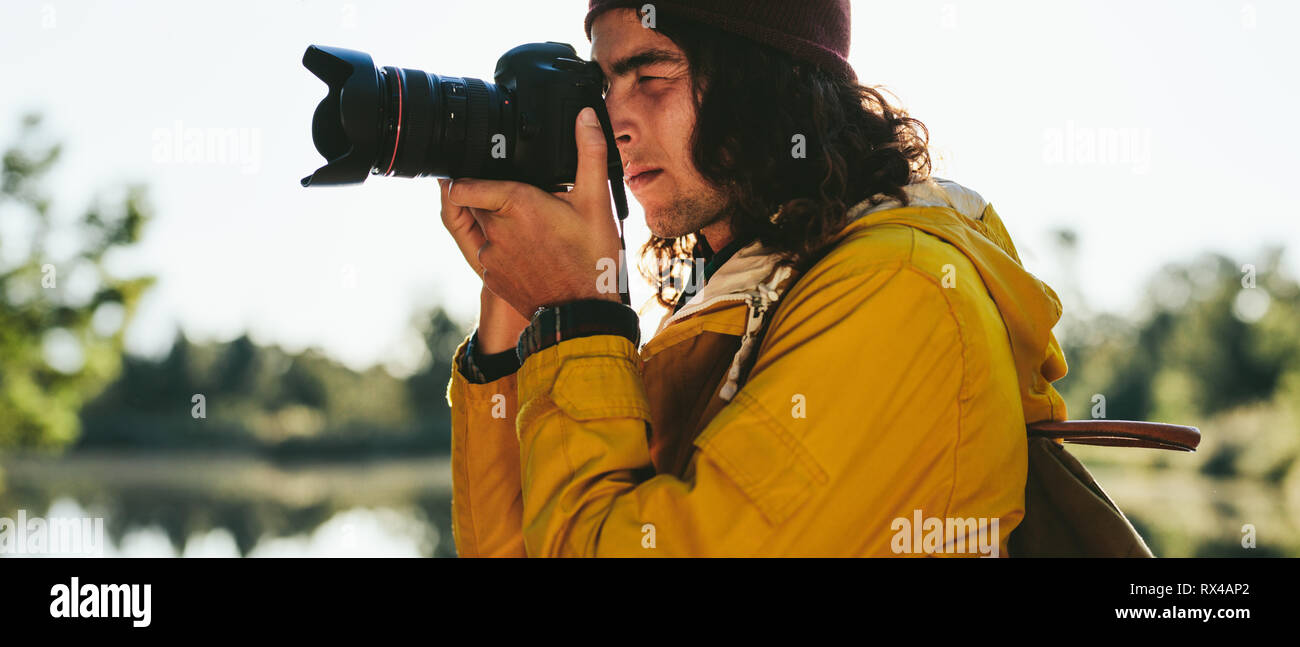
[{"x": 652, "y": 111}]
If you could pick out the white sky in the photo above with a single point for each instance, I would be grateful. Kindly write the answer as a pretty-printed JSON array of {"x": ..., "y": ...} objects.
[{"x": 1205, "y": 92}]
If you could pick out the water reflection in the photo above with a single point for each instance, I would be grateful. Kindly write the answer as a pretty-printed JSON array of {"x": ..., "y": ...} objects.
[
  {"x": 231, "y": 507},
  {"x": 359, "y": 532}
]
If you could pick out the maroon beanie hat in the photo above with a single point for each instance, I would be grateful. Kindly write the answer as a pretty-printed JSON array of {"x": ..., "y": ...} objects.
[{"x": 810, "y": 30}]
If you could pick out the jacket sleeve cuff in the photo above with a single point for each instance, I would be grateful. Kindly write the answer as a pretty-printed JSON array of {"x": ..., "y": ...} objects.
[{"x": 587, "y": 377}]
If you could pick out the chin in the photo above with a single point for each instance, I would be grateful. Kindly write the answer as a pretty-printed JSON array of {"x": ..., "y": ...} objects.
[
  {"x": 672, "y": 218},
  {"x": 658, "y": 227},
  {"x": 653, "y": 219}
]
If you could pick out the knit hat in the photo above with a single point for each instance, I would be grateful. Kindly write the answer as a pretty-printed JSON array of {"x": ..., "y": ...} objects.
[{"x": 810, "y": 30}]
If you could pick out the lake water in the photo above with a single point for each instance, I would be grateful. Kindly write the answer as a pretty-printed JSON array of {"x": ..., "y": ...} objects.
[{"x": 194, "y": 506}]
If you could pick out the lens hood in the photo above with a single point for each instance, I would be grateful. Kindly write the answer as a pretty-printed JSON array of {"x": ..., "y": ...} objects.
[{"x": 346, "y": 125}]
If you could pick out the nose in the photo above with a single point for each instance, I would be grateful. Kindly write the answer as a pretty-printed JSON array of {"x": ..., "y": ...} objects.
[{"x": 620, "y": 119}]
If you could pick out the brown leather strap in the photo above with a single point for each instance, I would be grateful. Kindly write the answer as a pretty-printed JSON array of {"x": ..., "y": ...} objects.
[{"x": 1120, "y": 433}]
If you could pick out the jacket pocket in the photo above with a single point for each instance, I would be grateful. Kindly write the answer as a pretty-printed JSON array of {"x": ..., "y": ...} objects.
[{"x": 768, "y": 463}]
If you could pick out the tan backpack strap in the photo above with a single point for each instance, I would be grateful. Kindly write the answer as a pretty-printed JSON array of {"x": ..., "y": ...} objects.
[{"x": 1119, "y": 433}]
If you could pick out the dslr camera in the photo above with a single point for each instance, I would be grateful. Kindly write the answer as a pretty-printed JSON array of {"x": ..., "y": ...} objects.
[{"x": 408, "y": 123}]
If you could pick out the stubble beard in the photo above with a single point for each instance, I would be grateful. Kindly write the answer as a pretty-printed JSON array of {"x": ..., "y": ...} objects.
[{"x": 687, "y": 214}]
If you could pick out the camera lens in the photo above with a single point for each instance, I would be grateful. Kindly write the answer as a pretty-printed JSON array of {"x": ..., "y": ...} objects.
[
  {"x": 403, "y": 122},
  {"x": 438, "y": 125}
]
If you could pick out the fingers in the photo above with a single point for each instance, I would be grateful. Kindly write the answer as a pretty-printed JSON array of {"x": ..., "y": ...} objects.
[
  {"x": 463, "y": 227},
  {"x": 499, "y": 196},
  {"x": 484, "y": 220},
  {"x": 592, "y": 181},
  {"x": 454, "y": 217}
]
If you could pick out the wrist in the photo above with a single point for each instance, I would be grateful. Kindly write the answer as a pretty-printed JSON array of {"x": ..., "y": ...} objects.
[{"x": 499, "y": 324}]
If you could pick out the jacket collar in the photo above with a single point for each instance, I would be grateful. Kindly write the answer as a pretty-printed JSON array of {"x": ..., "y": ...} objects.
[{"x": 754, "y": 263}]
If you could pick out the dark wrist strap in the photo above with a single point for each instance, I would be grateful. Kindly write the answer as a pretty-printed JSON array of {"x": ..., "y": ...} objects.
[
  {"x": 586, "y": 318},
  {"x": 483, "y": 369}
]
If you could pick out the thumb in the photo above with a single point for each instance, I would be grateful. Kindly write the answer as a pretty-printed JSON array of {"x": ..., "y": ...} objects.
[{"x": 592, "y": 179}]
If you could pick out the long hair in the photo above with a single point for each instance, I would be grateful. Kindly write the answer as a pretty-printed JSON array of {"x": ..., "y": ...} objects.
[{"x": 755, "y": 107}]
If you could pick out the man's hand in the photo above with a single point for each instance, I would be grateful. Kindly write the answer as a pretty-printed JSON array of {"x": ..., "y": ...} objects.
[
  {"x": 499, "y": 324},
  {"x": 537, "y": 249}
]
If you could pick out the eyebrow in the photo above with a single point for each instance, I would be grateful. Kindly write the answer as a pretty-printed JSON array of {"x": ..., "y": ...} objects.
[{"x": 644, "y": 57}]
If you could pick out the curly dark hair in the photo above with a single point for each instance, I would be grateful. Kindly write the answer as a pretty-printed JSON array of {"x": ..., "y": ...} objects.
[{"x": 751, "y": 100}]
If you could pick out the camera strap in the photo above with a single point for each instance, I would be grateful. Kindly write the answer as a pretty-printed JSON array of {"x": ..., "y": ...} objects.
[{"x": 615, "y": 172}]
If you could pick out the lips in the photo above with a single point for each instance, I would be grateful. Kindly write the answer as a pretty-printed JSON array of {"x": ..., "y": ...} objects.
[{"x": 639, "y": 176}]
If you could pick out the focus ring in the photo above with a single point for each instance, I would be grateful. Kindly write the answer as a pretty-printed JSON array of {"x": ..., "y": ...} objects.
[{"x": 477, "y": 139}]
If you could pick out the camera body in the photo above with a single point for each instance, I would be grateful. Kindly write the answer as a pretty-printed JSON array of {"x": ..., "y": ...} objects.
[
  {"x": 409, "y": 123},
  {"x": 551, "y": 85}
]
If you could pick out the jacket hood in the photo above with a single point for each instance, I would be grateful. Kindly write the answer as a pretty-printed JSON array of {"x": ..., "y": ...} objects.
[
  {"x": 957, "y": 215},
  {"x": 1029, "y": 307}
]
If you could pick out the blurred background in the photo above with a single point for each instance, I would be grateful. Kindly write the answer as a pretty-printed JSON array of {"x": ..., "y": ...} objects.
[{"x": 159, "y": 260}]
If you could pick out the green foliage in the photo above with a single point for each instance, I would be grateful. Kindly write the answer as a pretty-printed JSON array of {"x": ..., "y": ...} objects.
[
  {"x": 290, "y": 407},
  {"x": 51, "y": 298},
  {"x": 1203, "y": 345}
]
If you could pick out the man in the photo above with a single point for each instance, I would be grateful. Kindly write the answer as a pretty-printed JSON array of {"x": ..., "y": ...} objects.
[{"x": 863, "y": 356}]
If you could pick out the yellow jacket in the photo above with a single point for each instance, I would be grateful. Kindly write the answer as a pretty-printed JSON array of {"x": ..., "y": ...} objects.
[{"x": 893, "y": 383}]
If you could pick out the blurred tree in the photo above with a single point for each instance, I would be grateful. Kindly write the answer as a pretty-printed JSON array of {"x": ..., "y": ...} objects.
[
  {"x": 292, "y": 407},
  {"x": 62, "y": 314},
  {"x": 1211, "y": 336}
]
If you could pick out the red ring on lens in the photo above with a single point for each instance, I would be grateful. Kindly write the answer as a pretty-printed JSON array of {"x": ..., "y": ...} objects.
[{"x": 397, "y": 139}]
